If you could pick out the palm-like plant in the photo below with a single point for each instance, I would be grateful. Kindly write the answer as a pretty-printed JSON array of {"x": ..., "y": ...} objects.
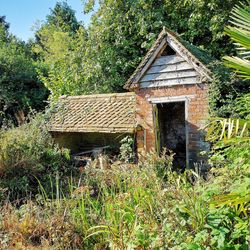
[
  {"x": 239, "y": 31},
  {"x": 231, "y": 136}
]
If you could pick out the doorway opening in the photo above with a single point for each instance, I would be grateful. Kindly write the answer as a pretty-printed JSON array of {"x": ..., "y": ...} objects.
[{"x": 172, "y": 131}]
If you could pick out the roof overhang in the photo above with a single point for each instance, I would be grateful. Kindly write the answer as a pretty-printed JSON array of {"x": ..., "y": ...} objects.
[
  {"x": 101, "y": 113},
  {"x": 167, "y": 37}
]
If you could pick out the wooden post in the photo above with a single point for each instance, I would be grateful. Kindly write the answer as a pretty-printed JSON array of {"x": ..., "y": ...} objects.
[{"x": 156, "y": 129}]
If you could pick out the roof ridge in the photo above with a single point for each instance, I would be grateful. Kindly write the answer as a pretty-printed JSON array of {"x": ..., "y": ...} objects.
[{"x": 98, "y": 95}]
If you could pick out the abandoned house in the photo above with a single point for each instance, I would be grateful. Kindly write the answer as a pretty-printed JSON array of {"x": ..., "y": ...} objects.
[{"x": 167, "y": 106}]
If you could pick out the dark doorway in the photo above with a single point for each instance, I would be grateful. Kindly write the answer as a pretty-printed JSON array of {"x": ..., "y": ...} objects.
[{"x": 172, "y": 130}]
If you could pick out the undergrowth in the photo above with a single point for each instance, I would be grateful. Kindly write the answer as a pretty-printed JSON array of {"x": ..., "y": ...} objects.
[
  {"x": 47, "y": 204},
  {"x": 130, "y": 206},
  {"x": 28, "y": 153}
]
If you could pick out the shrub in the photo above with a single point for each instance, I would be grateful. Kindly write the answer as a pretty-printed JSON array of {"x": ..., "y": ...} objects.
[
  {"x": 26, "y": 153},
  {"x": 127, "y": 153},
  {"x": 224, "y": 91}
]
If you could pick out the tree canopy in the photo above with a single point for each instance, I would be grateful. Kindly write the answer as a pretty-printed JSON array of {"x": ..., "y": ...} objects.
[
  {"x": 102, "y": 56},
  {"x": 71, "y": 59},
  {"x": 20, "y": 89}
]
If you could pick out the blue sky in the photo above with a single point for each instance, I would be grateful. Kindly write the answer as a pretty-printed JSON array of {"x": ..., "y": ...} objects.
[{"x": 23, "y": 14}]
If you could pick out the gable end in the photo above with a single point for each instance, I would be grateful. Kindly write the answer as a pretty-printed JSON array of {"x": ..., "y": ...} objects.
[{"x": 168, "y": 62}]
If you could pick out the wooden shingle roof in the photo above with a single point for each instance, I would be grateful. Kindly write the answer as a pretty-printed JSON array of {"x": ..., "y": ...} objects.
[{"x": 107, "y": 113}]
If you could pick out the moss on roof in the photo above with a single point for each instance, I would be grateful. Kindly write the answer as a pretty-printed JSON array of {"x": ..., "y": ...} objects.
[{"x": 200, "y": 54}]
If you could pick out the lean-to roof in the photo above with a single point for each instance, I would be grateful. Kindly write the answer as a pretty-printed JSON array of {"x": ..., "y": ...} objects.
[{"x": 106, "y": 113}]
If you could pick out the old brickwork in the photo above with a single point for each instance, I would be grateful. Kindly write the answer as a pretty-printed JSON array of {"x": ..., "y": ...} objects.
[
  {"x": 168, "y": 106},
  {"x": 197, "y": 114}
]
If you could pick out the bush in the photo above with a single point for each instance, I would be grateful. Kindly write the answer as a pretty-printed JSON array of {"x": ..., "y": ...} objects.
[
  {"x": 224, "y": 90},
  {"x": 124, "y": 206},
  {"x": 27, "y": 153},
  {"x": 127, "y": 153}
]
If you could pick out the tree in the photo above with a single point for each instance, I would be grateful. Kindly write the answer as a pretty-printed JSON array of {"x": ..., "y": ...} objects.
[
  {"x": 63, "y": 60},
  {"x": 63, "y": 16},
  {"x": 4, "y": 23},
  {"x": 101, "y": 58},
  {"x": 20, "y": 89},
  {"x": 121, "y": 32},
  {"x": 59, "y": 46}
]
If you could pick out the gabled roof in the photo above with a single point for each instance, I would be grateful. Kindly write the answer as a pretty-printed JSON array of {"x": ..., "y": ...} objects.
[
  {"x": 107, "y": 113},
  {"x": 197, "y": 58}
]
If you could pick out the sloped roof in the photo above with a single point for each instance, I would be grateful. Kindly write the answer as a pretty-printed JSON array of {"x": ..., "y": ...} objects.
[
  {"x": 192, "y": 54},
  {"x": 111, "y": 113}
]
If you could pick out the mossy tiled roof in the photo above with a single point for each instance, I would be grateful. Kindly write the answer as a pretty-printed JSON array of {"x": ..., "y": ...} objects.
[{"x": 111, "y": 113}]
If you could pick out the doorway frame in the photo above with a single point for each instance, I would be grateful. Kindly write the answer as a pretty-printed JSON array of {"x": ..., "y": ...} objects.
[{"x": 170, "y": 99}]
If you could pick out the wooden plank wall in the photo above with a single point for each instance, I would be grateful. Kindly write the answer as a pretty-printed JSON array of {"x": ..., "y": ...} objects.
[{"x": 167, "y": 71}]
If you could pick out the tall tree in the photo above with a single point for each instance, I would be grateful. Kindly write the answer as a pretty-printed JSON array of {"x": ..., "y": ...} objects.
[
  {"x": 20, "y": 89},
  {"x": 63, "y": 16},
  {"x": 59, "y": 46},
  {"x": 4, "y": 23},
  {"x": 121, "y": 32},
  {"x": 103, "y": 57}
]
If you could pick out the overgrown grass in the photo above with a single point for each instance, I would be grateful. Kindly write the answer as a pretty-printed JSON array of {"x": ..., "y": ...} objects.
[
  {"x": 124, "y": 206},
  {"x": 28, "y": 152},
  {"x": 132, "y": 207}
]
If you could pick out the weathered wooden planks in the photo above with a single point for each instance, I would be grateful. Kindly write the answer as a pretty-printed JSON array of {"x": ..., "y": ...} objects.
[
  {"x": 168, "y": 68},
  {"x": 169, "y": 82},
  {"x": 163, "y": 60},
  {"x": 169, "y": 75}
]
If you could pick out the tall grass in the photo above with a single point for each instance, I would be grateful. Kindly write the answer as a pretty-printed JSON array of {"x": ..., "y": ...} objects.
[{"x": 129, "y": 207}]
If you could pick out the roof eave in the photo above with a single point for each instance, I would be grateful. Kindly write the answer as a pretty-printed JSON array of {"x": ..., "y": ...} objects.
[{"x": 93, "y": 130}]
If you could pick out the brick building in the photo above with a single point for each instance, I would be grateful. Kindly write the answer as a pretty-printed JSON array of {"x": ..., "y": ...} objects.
[
  {"x": 168, "y": 106},
  {"x": 171, "y": 98}
]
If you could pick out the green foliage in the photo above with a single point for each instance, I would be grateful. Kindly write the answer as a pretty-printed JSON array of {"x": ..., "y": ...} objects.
[
  {"x": 63, "y": 55},
  {"x": 127, "y": 152},
  {"x": 143, "y": 206},
  {"x": 224, "y": 91},
  {"x": 200, "y": 23},
  {"x": 102, "y": 57},
  {"x": 28, "y": 152},
  {"x": 61, "y": 50},
  {"x": 240, "y": 33},
  {"x": 20, "y": 89},
  {"x": 63, "y": 17},
  {"x": 229, "y": 95},
  {"x": 242, "y": 106},
  {"x": 4, "y": 23},
  {"x": 231, "y": 142},
  {"x": 227, "y": 130},
  {"x": 230, "y": 159},
  {"x": 131, "y": 207}
]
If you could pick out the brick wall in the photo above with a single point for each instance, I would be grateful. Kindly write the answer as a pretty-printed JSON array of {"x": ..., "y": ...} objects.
[{"x": 197, "y": 108}]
